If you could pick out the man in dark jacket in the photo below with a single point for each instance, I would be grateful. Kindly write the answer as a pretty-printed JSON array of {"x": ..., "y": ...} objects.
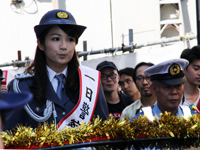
[{"x": 116, "y": 101}]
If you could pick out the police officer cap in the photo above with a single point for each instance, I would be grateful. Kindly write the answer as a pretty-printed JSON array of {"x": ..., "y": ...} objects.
[
  {"x": 106, "y": 64},
  {"x": 57, "y": 17},
  {"x": 11, "y": 100},
  {"x": 169, "y": 72}
]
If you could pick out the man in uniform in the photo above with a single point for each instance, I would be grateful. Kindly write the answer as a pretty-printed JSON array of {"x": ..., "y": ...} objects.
[
  {"x": 167, "y": 85},
  {"x": 116, "y": 101}
]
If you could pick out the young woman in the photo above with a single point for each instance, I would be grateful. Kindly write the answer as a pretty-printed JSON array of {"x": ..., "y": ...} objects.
[{"x": 68, "y": 101}]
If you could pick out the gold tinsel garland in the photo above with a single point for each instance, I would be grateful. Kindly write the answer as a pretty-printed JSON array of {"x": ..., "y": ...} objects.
[{"x": 166, "y": 126}]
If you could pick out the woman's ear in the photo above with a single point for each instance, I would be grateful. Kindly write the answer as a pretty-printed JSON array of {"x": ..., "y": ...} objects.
[{"x": 41, "y": 46}]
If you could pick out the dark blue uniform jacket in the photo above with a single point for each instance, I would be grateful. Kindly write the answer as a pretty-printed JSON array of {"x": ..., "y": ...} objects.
[{"x": 63, "y": 107}]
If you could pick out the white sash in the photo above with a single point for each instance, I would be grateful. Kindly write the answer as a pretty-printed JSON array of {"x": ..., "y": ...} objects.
[{"x": 84, "y": 109}]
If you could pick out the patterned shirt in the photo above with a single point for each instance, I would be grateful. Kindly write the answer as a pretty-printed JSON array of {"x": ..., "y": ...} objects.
[{"x": 131, "y": 110}]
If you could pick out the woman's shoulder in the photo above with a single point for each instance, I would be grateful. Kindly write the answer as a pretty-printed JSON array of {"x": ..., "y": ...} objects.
[
  {"x": 22, "y": 76},
  {"x": 22, "y": 80}
]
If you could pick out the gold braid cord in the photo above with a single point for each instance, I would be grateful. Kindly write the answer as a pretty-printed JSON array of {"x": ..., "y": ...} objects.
[{"x": 112, "y": 129}]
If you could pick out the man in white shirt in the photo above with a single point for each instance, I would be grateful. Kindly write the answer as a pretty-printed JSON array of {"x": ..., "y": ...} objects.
[
  {"x": 143, "y": 84},
  {"x": 191, "y": 93}
]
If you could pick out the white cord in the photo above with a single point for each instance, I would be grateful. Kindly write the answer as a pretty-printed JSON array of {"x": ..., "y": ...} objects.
[{"x": 50, "y": 107}]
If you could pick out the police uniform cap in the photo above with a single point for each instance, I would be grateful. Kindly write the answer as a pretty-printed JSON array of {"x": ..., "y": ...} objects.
[
  {"x": 11, "y": 100},
  {"x": 169, "y": 72},
  {"x": 57, "y": 17}
]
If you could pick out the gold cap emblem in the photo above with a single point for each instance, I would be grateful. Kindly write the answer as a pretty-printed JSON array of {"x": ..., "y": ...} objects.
[
  {"x": 62, "y": 15},
  {"x": 174, "y": 69}
]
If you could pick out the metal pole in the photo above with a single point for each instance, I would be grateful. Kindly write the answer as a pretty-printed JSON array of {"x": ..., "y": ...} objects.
[
  {"x": 55, "y": 4},
  {"x": 16, "y": 63},
  {"x": 85, "y": 49},
  {"x": 122, "y": 38},
  {"x": 130, "y": 31},
  {"x": 111, "y": 23},
  {"x": 111, "y": 50},
  {"x": 198, "y": 20},
  {"x": 19, "y": 55},
  {"x": 139, "y": 45}
]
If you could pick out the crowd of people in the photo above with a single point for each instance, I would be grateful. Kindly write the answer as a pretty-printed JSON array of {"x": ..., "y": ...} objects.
[{"x": 59, "y": 90}]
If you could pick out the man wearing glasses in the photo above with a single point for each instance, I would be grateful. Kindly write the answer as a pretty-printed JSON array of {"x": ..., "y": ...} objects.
[
  {"x": 143, "y": 83},
  {"x": 116, "y": 101},
  {"x": 127, "y": 83}
]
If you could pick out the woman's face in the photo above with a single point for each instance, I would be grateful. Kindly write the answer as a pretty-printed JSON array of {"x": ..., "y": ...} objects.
[{"x": 59, "y": 49}]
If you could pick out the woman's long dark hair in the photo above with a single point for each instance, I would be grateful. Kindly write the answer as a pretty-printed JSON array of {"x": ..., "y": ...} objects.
[{"x": 39, "y": 67}]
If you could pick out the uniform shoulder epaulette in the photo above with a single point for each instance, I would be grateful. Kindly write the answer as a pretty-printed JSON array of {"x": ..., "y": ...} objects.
[{"x": 24, "y": 75}]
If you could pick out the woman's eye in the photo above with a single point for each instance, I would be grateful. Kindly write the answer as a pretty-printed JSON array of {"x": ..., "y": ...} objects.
[
  {"x": 71, "y": 39},
  {"x": 55, "y": 39}
]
